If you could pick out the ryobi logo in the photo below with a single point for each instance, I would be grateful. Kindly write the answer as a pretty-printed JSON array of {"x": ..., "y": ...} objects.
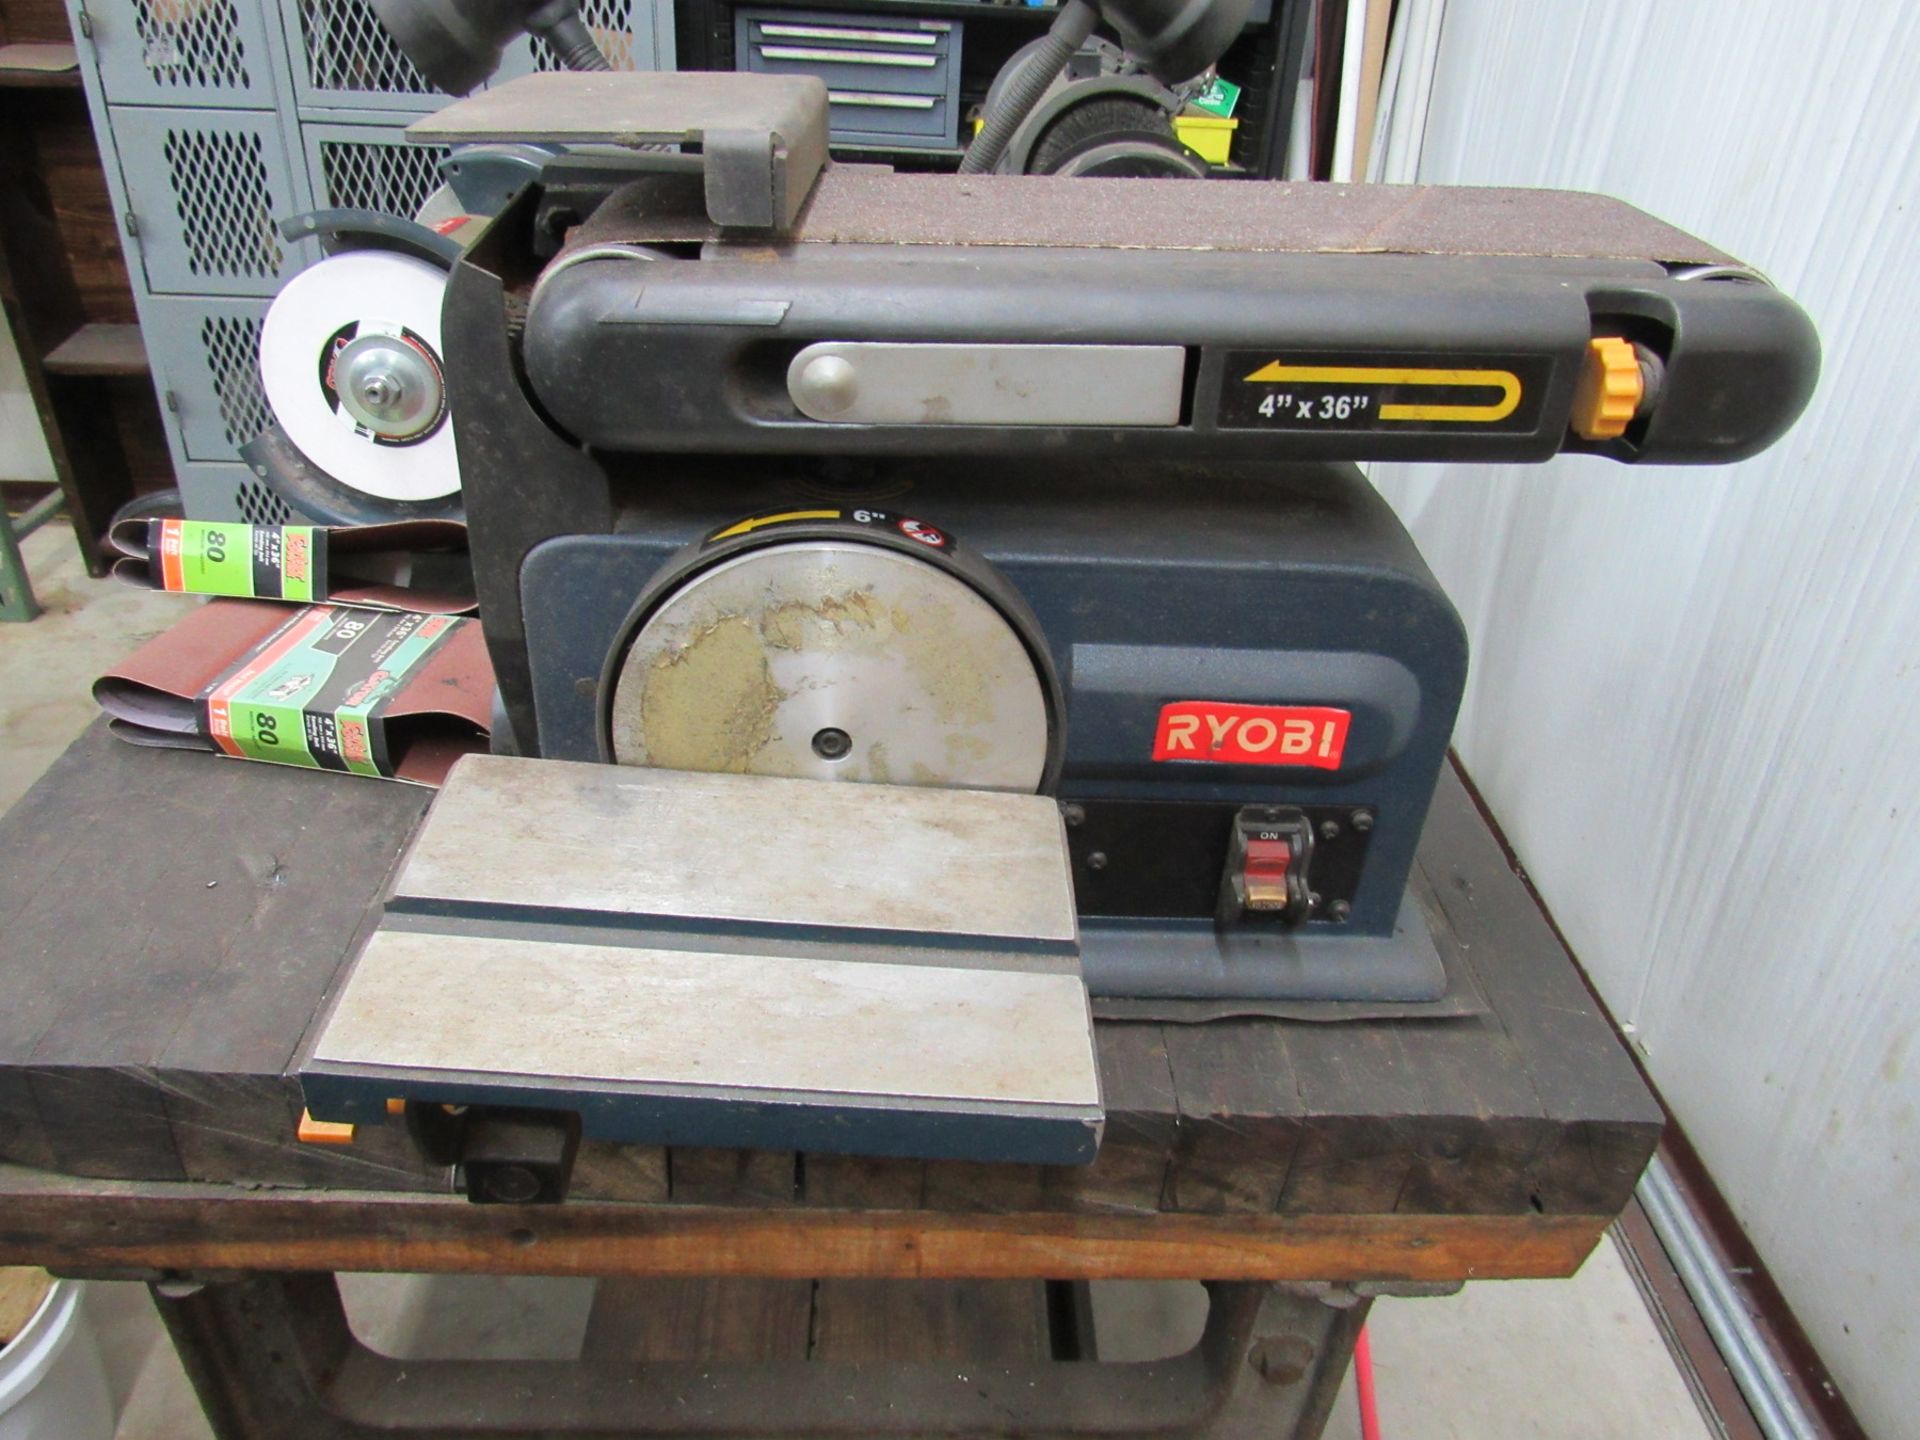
[{"x": 1222, "y": 732}]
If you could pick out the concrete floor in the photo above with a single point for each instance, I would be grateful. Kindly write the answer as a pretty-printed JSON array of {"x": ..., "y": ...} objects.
[{"x": 1549, "y": 1360}]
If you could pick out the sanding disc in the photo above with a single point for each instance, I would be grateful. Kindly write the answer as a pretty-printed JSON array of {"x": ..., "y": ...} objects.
[
  {"x": 350, "y": 359},
  {"x": 832, "y": 660}
]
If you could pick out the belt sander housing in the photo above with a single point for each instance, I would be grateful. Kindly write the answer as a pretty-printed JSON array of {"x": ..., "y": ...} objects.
[
  {"x": 1126, "y": 410},
  {"x": 1038, "y": 486}
]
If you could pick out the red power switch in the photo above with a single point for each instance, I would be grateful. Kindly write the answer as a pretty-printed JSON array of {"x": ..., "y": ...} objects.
[
  {"x": 1267, "y": 858},
  {"x": 1263, "y": 873}
]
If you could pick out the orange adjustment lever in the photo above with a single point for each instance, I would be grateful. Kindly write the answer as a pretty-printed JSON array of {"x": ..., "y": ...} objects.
[{"x": 322, "y": 1132}]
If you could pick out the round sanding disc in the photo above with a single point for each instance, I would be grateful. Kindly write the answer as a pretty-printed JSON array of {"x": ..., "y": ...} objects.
[
  {"x": 316, "y": 314},
  {"x": 832, "y": 661}
]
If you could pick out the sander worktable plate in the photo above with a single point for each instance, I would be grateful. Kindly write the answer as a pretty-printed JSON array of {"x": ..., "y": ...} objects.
[
  {"x": 171, "y": 925},
  {"x": 727, "y": 960}
]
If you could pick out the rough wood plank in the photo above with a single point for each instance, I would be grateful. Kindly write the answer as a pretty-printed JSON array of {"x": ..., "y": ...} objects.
[
  {"x": 862, "y": 1181},
  {"x": 1441, "y": 1113},
  {"x": 117, "y": 1034},
  {"x": 976, "y": 1187},
  {"x": 105, "y": 1122},
  {"x": 36, "y": 20},
  {"x": 733, "y": 1320},
  {"x": 228, "y": 1126},
  {"x": 605, "y": 1171},
  {"x": 1129, "y": 1175},
  {"x": 1603, "y": 1120},
  {"x": 1240, "y": 1115},
  {"x": 995, "y": 1322},
  {"x": 68, "y": 1223},
  {"x": 89, "y": 227},
  {"x": 1489, "y": 1115},
  {"x": 28, "y": 65},
  {"x": 23, "y": 1139},
  {"x": 732, "y": 1177},
  {"x": 99, "y": 349}
]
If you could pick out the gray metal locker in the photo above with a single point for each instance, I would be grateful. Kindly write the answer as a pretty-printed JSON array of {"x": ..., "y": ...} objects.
[
  {"x": 633, "y": 34},
  {"x": 341, "y": 58},
  {"x": 205, "y": 189},
  {"x": 228, "y": 490},
  {"x": 219, "y": 118},
  {"x": 168, "y": 52},
  {"x": 370, "y": 167},
  {"x": 206, "y": 361}
]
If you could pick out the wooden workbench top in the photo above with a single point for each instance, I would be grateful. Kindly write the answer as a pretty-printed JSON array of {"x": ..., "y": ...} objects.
[{"x": 170, "y": 924}]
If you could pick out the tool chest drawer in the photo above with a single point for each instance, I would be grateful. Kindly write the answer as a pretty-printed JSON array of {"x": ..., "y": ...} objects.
[{"x": 892, "y": 82}]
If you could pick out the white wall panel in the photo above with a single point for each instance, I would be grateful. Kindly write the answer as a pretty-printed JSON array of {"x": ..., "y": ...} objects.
[{"x": 1695, "y": 701}]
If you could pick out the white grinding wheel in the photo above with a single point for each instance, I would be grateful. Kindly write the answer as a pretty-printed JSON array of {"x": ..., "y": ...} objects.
[
  {"x": 833, "y": 660},
  {"x": 382, "y": 311}
]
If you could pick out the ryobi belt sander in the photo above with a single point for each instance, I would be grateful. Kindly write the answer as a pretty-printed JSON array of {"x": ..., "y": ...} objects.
[{"x": 958, "y": 597}]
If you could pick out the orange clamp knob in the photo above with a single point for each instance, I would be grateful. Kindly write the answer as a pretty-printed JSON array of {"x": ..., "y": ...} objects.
[{"x": 1610, "y": 390}]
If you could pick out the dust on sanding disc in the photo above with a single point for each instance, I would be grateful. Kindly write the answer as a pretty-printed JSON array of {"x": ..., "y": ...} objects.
[{"x": 832, "y": 661}]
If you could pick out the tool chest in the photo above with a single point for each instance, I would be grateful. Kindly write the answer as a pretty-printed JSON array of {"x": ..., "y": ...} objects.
[{"x": 893, "y": 82}]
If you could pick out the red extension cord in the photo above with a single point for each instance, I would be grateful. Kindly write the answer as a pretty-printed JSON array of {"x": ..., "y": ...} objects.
[{"x": 1363, "y": 1386}]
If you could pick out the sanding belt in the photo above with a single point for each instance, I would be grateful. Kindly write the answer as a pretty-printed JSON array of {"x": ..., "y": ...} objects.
[{"x": 869, "y": 205}]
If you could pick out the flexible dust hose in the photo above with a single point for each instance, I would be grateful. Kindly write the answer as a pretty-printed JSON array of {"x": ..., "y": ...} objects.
[
  {"x": 1069, "y": 32},
  {"x": 564, "y": 30}
]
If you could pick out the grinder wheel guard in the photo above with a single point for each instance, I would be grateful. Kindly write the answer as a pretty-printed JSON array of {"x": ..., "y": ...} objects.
[{"x": 865, "y": 647}]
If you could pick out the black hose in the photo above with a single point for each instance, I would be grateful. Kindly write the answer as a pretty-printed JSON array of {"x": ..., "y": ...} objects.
[
  {"x": 1069, "y": 32},
  {"x": 570, "y": 38}
]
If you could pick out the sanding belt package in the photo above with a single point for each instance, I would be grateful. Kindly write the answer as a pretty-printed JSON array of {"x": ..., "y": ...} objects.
[
  {"x": 328, "y": 687},
  {"x": 418, "y": 565}
]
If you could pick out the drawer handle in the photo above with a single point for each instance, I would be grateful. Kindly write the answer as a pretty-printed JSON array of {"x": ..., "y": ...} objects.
[
  {"x": 829, "y": 32},
  {"x": 847, "y": 57},
  {"x": 880, "y": 101}
]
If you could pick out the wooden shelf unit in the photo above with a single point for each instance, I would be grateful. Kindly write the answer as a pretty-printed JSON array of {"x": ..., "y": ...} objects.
[{"x": 64, "y": 285}]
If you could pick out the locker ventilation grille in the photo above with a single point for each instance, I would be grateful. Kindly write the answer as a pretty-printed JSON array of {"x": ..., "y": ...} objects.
[
  {"x": 393, "y": 178},
  {"x": 348, "y": 49},
  {"x": 612, "y": 24},
  {"x": 192, "y": 45},
  {"x": 232, "y": 348},
  {"x": 225, "y": 203},
  {"x": 260, "y": 506}
]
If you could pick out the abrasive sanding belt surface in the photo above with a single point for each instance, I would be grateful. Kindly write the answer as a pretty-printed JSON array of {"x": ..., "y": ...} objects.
[{"x": 858, "y": 205}]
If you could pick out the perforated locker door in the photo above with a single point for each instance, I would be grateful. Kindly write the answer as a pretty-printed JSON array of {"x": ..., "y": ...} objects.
[
  {"x": 633, "y": 34},
  {"x": 370, "y": 167},
  {"x": 206, "y": 362},
  {"x": 178, "y": 52},
  {"x": 206, "y": 189},
  {"x": 229, "y": 491},
  {"x": 343, "y": 58}
]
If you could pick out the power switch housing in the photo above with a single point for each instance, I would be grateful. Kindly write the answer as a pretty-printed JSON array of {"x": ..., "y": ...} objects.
[{"x": 1266, "y": 874}]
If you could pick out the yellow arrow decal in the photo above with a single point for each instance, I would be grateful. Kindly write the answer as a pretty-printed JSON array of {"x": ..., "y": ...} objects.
[
  {"x": 1504, "y": 381},
  {"x": 747, "y": 527}
]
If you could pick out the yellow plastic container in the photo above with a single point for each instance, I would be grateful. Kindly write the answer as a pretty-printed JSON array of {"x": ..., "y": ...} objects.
[{"x": 1207, "y": 135}]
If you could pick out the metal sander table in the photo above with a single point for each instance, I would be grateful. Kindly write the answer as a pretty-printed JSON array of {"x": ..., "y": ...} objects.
[{"x": 170, "y": 924}]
